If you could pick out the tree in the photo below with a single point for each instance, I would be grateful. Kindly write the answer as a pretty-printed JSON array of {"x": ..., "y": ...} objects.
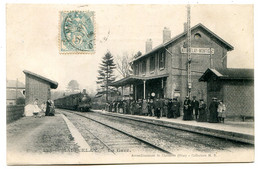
[
  {"x": 124, "y": 65},
  {"x": 106, "y": 76},
  {"x": 20, "y": 101},
  {"x": 73, "y": 85}
]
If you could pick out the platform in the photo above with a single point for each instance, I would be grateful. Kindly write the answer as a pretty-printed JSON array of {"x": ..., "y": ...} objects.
[{"x": 231, "y": 130}]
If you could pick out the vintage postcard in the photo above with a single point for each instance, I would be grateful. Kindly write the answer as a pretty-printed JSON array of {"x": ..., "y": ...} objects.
[{"x": 120, "y": 84}]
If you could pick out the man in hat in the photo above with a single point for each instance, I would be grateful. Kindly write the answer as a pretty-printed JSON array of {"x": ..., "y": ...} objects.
[
  {"x": 195, "y": 107},
  {"x": 213, "y": 113},
  {"x": 157, "y": 108},
  {"x": 175, "y": 108},
  {"x": 187, "y": 109},
  {"x": 179, "y": 106}
]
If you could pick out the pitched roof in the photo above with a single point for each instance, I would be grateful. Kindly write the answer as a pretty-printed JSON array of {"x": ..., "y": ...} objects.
[
  {"x": 12, "y": 84},
  {"x": 53, "y": 84},
  {"x": 229, "y": 73},
  {"x": 11, "y": 94},
  {"x": 222, "y": 41}
]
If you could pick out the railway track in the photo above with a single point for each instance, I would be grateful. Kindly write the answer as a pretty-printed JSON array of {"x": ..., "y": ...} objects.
[
  {"x": 162, "y": 137},
  {"x": 120, "y": 142}
]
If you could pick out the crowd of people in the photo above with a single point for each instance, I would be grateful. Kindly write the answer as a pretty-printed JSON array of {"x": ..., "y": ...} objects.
[
  {"x": 171, "y": 108},
  {"x": 46, "y": 108}
]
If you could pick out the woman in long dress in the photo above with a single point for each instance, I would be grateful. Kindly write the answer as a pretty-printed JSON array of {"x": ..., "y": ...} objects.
[
  {"x": 48, "y": 107},
  {"x": 202, "y": 111},
  {"x": 36, "y": 109},
  {"x": 213, "y": 114},
  {"x": 187, "y": 109}
]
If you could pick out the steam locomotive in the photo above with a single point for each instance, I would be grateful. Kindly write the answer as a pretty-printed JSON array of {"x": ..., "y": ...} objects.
[{"x": 78, "y": 102}]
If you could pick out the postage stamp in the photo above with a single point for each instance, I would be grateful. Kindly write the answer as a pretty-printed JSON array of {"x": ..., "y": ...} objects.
[{"x": 77, "y": 32}]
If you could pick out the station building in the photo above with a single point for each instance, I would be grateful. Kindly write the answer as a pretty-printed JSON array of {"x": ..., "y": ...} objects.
[
  {"x": 162, "y": 70},
  {"x": 37, "y": 86}
]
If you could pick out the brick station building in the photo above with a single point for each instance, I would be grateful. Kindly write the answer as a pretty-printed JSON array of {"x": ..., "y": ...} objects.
[
  {"x": 162, "y": 70},
  {"x": 37, "y": 86}
]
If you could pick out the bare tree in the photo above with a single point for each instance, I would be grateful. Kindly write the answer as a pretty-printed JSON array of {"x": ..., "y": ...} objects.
[{"x": 124, "y": 65}]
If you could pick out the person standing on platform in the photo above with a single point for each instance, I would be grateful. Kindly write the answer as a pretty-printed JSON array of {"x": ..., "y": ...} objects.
[
  {"x": 213, "y": 113},
  {"x": 135, "y": 107},
  {"x": 165, "y": 107},
  {"x": 132, "y": 107},
  {"x": 48, "y": 107},
  {"x": 110, "y": 106},
  {"x": 161, "y": 106},
  {"x": 175, "y": 108},
  {"x": 187, "y": 109},
  {"x": 195, "y": 107},
  {"x": 36, "y": 109},
  {"x": 157, "y": 108},
  {"x": 145, "y": 108},
  {"x": 121, "y": 107},
  {"x": 202, "y": 112},
  {"x": 127, "y": 106},
  {"x": 170, "y": 112},
  {"x": 113, "y": 106},
  {"x": 117, "y": 106},
  {"x": 152, "y": 107},
  {"x": 52, "y": 109},
  {"x": 139, "y": 107},
  {"x": 149, "y": 107},
  {"x": 179, "y": 106},
  {"x": 221, "y": 111}
]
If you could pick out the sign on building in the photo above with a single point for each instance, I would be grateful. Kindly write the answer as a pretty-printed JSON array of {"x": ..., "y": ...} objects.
[{"x": 203, "y": 51}]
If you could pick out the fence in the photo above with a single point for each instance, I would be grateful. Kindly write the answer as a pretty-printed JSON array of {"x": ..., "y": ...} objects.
[{"x": 14, "y": 112}]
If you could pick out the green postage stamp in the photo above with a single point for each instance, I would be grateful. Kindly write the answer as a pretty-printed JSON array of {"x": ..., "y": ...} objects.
[{"x": 77, "y": 32}]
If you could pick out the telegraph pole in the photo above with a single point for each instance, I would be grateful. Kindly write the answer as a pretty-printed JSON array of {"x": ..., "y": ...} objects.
[{"x": 189, "y": 50}]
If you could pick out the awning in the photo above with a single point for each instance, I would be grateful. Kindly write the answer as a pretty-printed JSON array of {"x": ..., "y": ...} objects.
[{"x": 135, "y": 79}]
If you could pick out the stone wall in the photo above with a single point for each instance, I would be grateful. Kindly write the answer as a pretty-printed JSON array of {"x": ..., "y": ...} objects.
[{"x": 14, "y": 112}]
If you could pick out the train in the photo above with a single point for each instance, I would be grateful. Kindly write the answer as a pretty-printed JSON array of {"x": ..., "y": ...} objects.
[{"x": 78, "y": 102}]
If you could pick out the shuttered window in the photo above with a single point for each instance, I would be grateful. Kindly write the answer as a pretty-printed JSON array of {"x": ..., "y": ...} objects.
[{"x": 152, "y": 63}]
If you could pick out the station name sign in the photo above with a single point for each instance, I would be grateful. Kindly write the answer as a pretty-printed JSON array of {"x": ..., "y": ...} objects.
[{"x": 203, "y": 51}]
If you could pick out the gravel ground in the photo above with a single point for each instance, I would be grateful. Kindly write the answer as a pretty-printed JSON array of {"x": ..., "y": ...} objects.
[
  {"x": 170, "y": 139},
  {"x": 40, "y": 135},
  {"x": 112, "y": 140}
]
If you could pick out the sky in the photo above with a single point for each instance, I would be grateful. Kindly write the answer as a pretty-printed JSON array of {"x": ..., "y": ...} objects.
[{"x": 32, "y": 33}]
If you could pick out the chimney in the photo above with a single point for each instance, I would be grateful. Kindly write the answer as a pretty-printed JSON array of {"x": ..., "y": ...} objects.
[
  {"x": 148, "y": 45},
  {"x": 166, "y": 34},
  {"x": 185, "y": 26}
]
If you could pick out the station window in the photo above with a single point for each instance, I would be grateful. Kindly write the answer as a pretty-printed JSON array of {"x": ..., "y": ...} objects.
[
  {"x": 136, "y": 69},
  {"x": 162, "y": 60},
  {"x": 143, "y": 66},
  {"x": 152, "y": 63}
]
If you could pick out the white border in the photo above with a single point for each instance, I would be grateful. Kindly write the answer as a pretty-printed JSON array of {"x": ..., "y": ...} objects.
[{"x": 165, "y": 166}]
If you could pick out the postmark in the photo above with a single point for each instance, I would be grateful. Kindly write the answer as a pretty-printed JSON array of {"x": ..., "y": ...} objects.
[{"x": 77, "y": 32}]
